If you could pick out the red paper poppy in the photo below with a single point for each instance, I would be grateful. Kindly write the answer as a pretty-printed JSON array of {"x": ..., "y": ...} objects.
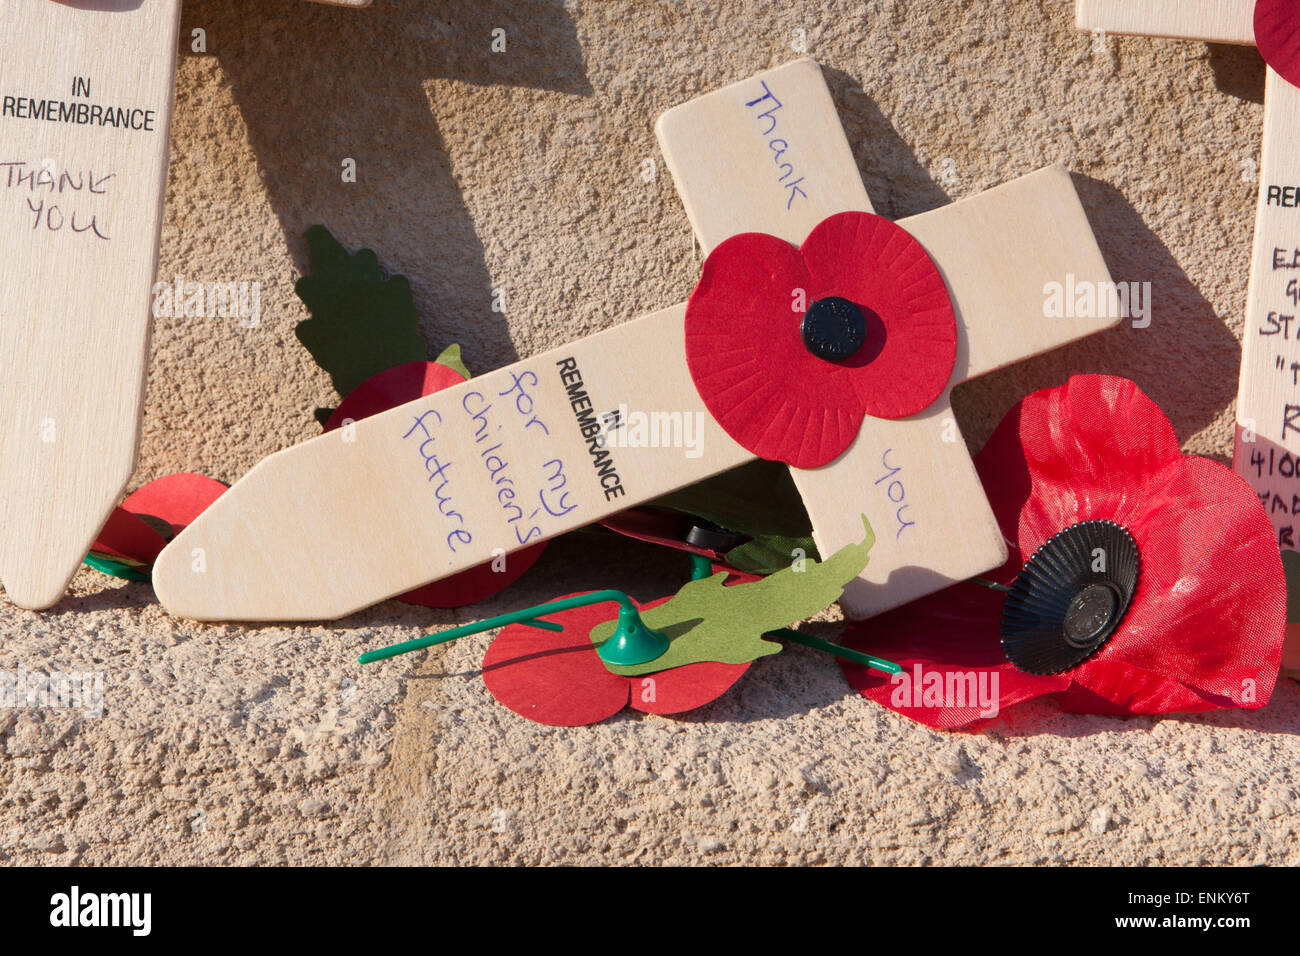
[
  {"x": 397, "y": 386},
  {"x": 1277, "y": 34},
  {"x": 557, "y": 677},
  {"x": 1204, "y": 626},
  {"x": 859, "y": 288},
  {"x": 135, "y": 529}
]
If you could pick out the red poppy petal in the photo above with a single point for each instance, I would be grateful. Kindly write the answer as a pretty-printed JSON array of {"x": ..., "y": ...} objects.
[
  {"x": 683, "y": 688},
  {"x": 177, "y": 499},
  {"x": 392, "y": 387},
  {"x": 1091, "y": 447},
  {"x": 397, "y": 386},
  {"x": 952, "y": 637},
  {"x": 124, "y": 535},
  {"x": 1004, "y": 473},
  {"x": 1122, "y": 690},
  {"x": 1277, "y": 34},
  {"x": 747, "y": 358},
  {"x": 1210, "y": 611},
  {"x": 477, "y": 584},
  {"x": 875, "y": 263},
  {"x": 556, "y": 677}
]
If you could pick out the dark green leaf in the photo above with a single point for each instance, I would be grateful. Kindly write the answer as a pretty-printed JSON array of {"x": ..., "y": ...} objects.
[
  {"x": 757, "y": 499},
  {"x": 361, "y": 323}
]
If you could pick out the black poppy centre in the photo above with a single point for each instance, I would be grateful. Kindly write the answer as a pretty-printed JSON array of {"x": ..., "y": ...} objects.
[
  {"x": 1070, "y": 597},
  {"x": 834, "y": 329}
]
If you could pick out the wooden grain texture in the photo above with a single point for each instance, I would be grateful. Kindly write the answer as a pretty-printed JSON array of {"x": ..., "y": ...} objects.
[
  {"x": 341, "y": 522},
  {"x": 1214, "y": 21},
  {"x": 80, "y": 214},
  {"x": 914, "y": 477},
  {"x": 1268, "y": 392},
  {"x": 766, "y": 154}
]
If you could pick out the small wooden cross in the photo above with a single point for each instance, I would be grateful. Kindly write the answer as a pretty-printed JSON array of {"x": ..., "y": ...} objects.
[
  {"x": 86, "y": 93},
  {"x": 515, "y": 456},
  {"x": 1267, "y": 447}
]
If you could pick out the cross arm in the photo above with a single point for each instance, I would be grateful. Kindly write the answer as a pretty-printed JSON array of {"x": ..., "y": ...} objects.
[
  {"x": 1213, "y": 21},
  {"x": 84, "y": 119}
]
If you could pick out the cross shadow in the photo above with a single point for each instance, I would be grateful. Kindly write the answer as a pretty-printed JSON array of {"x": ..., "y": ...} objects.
[
  {"x": 1238, "y": 71},
  {"x": 1186, "y": 360},
  {"x": 317, "y": 85},
  {"x": 899, "y": 186}
]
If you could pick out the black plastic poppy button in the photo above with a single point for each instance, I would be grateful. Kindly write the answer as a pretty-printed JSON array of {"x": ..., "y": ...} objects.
[
  {"x": 1091, "y": 614},
  {"x": 833, "y": 329},
  {"x": 1070, "y": 597},
  {"x": 710, "y": 536}
]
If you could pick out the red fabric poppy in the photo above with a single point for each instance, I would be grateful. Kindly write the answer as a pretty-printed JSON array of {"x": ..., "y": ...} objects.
[
  {"x": 174, "y": 500},
  {"x": 557, "y": 677},
  {"x": 397, "y": 386},
  {"x": 1206, "y": 623},
  {"x": 1277, "y": 34},
  {"x": 746, "y": 352}
]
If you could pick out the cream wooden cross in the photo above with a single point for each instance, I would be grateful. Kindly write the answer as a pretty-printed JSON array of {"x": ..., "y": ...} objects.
[
  {"x": 1267, "y": 451},
  {"x": 85, "y": 113},
  {"x": 515, "y": 456}
]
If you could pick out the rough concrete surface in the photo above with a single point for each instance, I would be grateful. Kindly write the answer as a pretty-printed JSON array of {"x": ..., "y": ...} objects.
[{"x": 522, "y": 172}]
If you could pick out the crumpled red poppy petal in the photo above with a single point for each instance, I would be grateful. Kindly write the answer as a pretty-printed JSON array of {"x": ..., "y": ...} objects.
[
  {"x": 748, "y": 362},
  {"x": 1118, "y": 689},
  {"x": 397, "y": 386},
  {"x": 124, "y": 535},
  {"x": 875, "y": 263},
  {"x": 1004, "y": 474},
  {"x": 1210, "y": 611},
  {"x": 1277, "y": 34},
  {"x": 955, "y": 636},
  {"x": 1091, "y": 447},
  {"x": 556, "y": 677},
  {"x": 1206, "y": 627},
  {"x": 177, "y": 499}
]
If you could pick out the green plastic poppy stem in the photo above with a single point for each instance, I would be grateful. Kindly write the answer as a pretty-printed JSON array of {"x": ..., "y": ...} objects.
[
  {"x": 701, "y": 567},
  {"x": 115, "y": 569},
  {"x": 817, "y": 644},
  {"x": 527, "y": 615}
]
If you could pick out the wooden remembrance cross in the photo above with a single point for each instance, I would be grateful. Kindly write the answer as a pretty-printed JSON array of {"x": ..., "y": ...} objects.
[
  {"x": 421, "y": 491},
  {"x": 1267, "y": 448},
  {"x": 86, "y": 91}
]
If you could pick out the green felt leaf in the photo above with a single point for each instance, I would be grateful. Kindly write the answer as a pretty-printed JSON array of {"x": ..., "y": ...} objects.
[
  {"x": 757, "y": 499},
  {"x": 1291, "y": 566},
  {"x": 769, "y": 553},
  {"x": 361, "y": 323},
  {"x": 709, "y": 622},
  {"x": 450, "y": 357}
]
